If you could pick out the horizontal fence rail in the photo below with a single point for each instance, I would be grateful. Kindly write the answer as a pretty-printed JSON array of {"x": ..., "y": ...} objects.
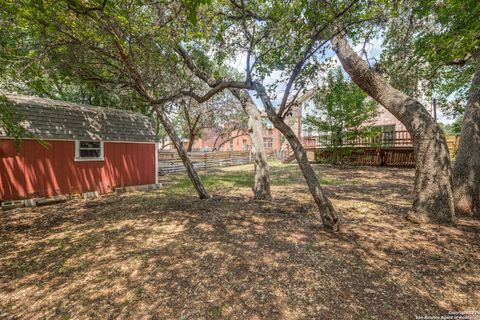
[
  {"x": 381, "y": 140},
  {"x": 388, "y": 148},
  {"x": 169, "y": 161},
  {"x": 398, "y": 156}
]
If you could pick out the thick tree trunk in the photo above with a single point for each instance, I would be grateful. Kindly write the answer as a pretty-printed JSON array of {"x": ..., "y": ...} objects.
[
  {"x": 261, "y": 189},
  {"x": 433, "y": 176},
  {"x": 192, "y": 173},
  {"x": 327, "y": 213},
  {"x": 466, "y": 172}
]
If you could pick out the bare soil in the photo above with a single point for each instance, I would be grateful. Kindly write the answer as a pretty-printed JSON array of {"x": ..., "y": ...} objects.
[{"x": 168, "y": 255}]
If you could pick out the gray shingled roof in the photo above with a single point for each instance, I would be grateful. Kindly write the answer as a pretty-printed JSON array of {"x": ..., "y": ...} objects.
[{"x": 54, "y": 119}]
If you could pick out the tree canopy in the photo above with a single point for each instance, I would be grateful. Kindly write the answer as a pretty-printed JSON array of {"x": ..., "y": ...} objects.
[{"x": 428, "y": 47}]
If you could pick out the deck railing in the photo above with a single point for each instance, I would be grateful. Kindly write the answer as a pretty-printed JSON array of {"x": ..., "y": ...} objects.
[
  {"x": 392, "y": 139},
  {"x": 382, "y": 139},
  {"x": 396, "y": 146}
]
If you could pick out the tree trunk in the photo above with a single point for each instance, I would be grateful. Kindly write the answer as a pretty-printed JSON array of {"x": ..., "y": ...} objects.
[
  {"x": 433, "y": 199},
  {"x": 327, "y": 213},
  {"x": 192, "y": 173},
  {"x": 191, "y": 141},
  {"x": 261, "y": 189},
  {"x": 466, "y": 172}
]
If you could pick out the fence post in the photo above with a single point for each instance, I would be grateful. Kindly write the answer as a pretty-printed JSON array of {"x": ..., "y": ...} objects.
[{"x": 205, "y": 159}]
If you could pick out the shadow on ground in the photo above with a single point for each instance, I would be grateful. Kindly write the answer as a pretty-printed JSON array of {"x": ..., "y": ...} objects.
[{"x": 167, "y": 255}]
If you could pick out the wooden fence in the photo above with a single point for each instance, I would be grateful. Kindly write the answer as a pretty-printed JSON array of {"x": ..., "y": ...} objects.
[
  {"x": 388, "y": 149},
  {"x": 382, "y": 139},
  {"x": 393, "y": 148},
  {"x": 452, "y": 143},
  {"x": 361, "y": 150},
  {"x": 391, "y": 139},
  {"x": 399, "y": 156},
  {"x": 169, "y": 161}
]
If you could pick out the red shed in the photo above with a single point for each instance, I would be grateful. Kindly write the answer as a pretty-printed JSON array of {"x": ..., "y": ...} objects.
[{"x": 84, "y": 148}]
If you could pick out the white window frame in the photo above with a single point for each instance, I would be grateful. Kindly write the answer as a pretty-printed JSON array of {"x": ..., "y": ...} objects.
[
  {"x": 270, "y": 142},
  {"x": 77, "y": 152}
]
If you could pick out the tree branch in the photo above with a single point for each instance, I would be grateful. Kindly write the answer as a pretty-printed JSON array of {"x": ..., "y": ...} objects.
[
  {"x": 461, "y": 62},
  {"x": 216, "y": 85}
]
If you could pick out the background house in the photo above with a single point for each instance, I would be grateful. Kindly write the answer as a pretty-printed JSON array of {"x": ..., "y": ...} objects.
[
  {"x": 392, "y": 129},
  {"x": 388, "y": 121},
  {"x": 237, "y": 140},
  {"x": 84, "y": 148}
]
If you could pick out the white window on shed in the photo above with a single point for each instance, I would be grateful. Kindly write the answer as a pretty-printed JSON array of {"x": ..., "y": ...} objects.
[{"x": 88, "y": 150}]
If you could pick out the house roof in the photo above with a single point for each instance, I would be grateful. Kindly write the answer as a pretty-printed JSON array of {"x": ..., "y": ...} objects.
[{"x": 54, "y": 119}]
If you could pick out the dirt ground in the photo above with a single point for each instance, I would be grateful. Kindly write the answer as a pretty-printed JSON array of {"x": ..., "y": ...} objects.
[{"x": 168, "y": 255}]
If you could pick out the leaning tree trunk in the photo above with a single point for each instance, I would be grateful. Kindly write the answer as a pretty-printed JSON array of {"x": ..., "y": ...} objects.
[
  {"x": 466, "y": 172},
  {"x": 327, "y": 213},
  {"x": 261, "y": 189},
  {"x": 192, "y": 173},
  {"x": 433, "y": 176}
]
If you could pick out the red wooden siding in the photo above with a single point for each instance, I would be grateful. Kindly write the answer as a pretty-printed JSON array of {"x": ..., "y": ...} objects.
[{"x": 39, "y": 171}]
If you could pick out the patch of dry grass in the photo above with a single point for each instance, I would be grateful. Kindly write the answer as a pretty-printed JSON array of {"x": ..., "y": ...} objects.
[{"x": 168, "y": 255}]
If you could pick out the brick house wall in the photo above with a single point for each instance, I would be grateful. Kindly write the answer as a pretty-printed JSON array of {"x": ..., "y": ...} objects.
[
  {"x": 241, "y": 142},
  {"x": 385, "y": 118}
]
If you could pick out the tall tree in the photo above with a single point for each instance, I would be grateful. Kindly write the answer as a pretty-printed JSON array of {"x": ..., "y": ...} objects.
[
  {"x": 328, "y": 213},
  {"x": 433, "y": 175},
  {"x": 342, "y": 111},
  {"x": 436, "y": 44},
  {"x": 205, "y": 70},
  {"x": 455, "y": 53},
  {"x": 261, "y": 188},
  {"x": 260, "y": 32},
  {"x": 467, "y": 165},
  {"x": 106, "y": 44},
  {"x": 270, "y": 38}
]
